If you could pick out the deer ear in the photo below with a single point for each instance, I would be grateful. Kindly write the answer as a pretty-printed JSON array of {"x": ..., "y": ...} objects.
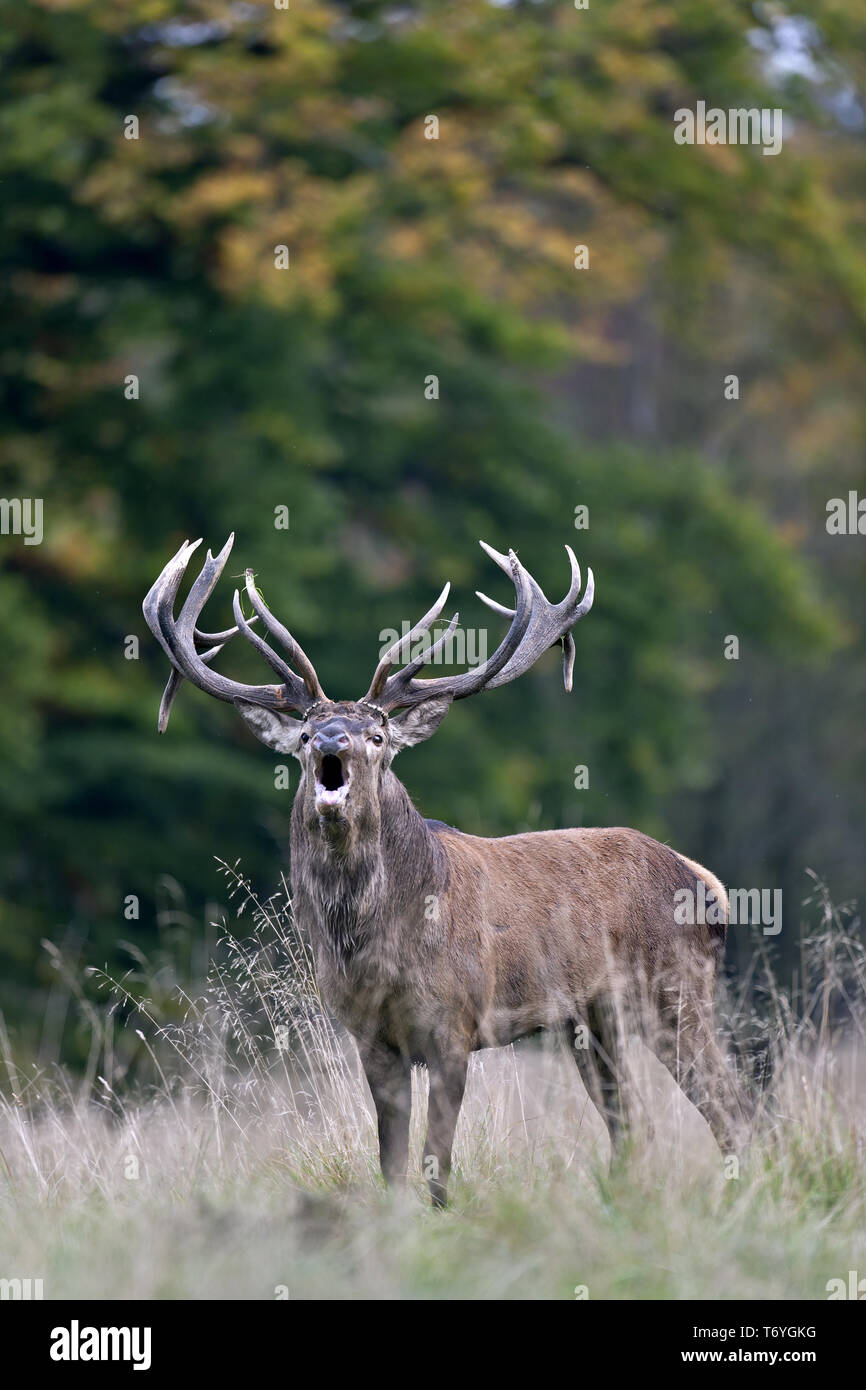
[
  {"x": 419, "y": 723},
  {"x": 278, "y": 731}
]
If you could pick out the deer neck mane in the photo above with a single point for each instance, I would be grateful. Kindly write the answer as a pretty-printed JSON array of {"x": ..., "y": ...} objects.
[{"x": 351, "y": 887}]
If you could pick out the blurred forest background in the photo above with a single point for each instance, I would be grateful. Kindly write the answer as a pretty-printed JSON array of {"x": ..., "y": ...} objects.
[{"x": 304, "y": 388}]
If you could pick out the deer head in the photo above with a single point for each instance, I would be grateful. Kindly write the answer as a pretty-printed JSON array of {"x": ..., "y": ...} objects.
[{"x": 346, "y": 748}]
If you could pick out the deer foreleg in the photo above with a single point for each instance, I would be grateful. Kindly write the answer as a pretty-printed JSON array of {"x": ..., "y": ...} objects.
[
  {"x": 447, "y": 1084},
  {"x": 389, "y": 1077}
]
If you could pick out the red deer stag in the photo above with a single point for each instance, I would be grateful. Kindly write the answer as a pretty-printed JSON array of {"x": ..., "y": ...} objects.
[{"x": 430, "y": 943}]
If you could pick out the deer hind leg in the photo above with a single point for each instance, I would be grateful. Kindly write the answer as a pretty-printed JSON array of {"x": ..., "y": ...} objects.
[
  {"x": 389, "y": 1077},
  {"x": 447, "y": 1084},
  {"x": 686, "y": 1043},
  {"x": 594, "y": 1043}
]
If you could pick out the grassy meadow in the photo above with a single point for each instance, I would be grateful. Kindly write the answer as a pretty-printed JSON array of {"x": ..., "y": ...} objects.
[{"x": 243, "y": 1166}]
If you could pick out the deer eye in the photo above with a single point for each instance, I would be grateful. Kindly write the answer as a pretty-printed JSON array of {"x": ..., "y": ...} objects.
[
  {"x": 378, "y": 739},
  {"x": 305, "y": 738}
]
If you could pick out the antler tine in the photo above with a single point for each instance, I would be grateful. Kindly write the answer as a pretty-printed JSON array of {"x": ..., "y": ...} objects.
[
  {"x": 276, "y": 663},
  {"x": 473, "y": 681},
  {"x": 202, "y": 588},
  {"x": 175, "y": 680},
  {"x": 423, "y": 625},
  {"x": 428, "y": 653},
  {"x": 172, "y": 686},
  {"x": 177, "y": 637},
  {"x": 206, "y": 638},
  {"x": 168, "y": 580},
  {"x": 550, "y": 623},
  {"x": 295, "y": 651},
  {"x": 497, "y": 607}
]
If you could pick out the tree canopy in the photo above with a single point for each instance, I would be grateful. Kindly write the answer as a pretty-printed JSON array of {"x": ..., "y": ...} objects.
[{"x": 325, "y": 259}]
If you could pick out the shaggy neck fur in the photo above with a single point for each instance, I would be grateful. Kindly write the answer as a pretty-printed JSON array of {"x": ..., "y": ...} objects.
[{"x": 360, "y": 875}]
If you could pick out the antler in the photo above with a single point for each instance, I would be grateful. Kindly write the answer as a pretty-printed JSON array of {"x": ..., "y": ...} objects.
[
  {"x": 178, "y": 638},
  {"x": 550, "y": 623},
  {"x": 536, "y": 625}
]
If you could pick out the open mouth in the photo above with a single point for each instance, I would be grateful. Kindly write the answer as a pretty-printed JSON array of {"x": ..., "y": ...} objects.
[{"x": 332, "y": 782}]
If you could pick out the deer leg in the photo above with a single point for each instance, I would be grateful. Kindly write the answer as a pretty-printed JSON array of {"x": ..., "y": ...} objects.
[
  {"x": 447, "y": 1084},
  {"x": 594, "y": 1047},
  {"x": 688, "y": 1047},
  {"x": 389, "y": 1077}
]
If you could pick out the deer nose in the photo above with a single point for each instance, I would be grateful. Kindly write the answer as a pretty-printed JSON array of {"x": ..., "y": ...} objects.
[{"x": 330, "y": 743}]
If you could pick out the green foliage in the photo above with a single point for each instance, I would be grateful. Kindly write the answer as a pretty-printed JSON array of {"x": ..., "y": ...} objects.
[{"x": 304, "y": 388}]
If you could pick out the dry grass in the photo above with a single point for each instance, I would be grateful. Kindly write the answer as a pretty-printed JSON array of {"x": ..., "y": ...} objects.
[{"x": 236, "y": 1168}]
